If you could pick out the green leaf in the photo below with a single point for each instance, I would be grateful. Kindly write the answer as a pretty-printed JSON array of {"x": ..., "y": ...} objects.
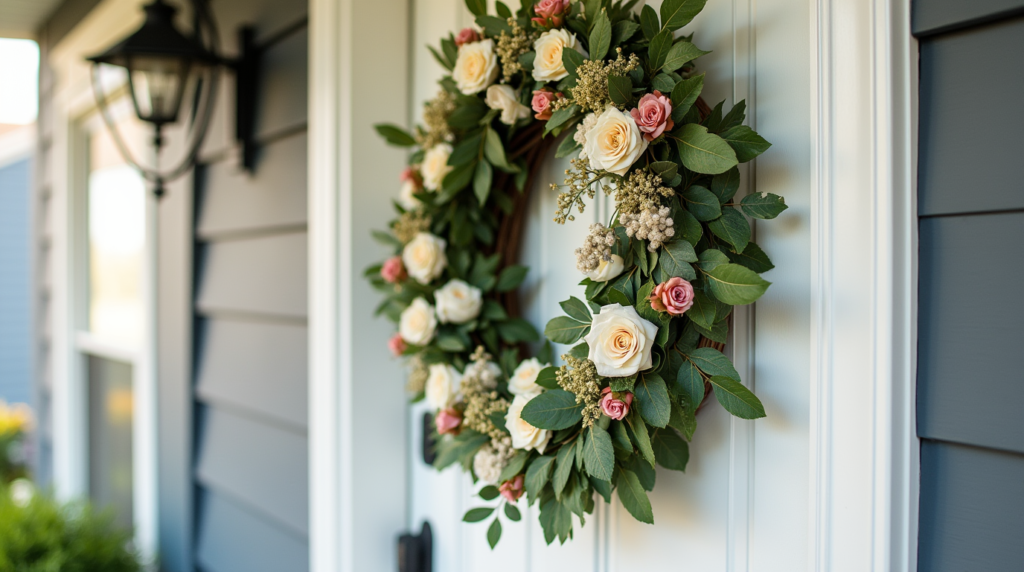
[
  {"x": 477, "y": 7},
  {"x": 689, "y": 227},
  {"x": 664, "y": 83},
  {"x": 674, "y": 258},
  {"x": 623, "y": 30},
  {"x": 511, "y": 277},
  {"x": 568, "y": 146},
  {"x": 620, "y": 89},
  {"x": 386, "y": 238},
  {"x": 460, "y": 449},
  {"x": 703, "y": 152},
  {"x": 640, "y": 434},
  {"x": 561, "y": 116},
  {"x": 690, "y": 382},
  {"x": 600, "y": 37},
  {"x": 652, "y": 396},
  {"x": 576, "y": 309},
  {"x": 514, "y": 466},
  {"x": 502, "y": 10},
  {"x": 736, "y": 285},
  {"x": 489, "y": 493},
  {"x": 563, "y": 468},
  {"x": 554, "y": 409},
  {"x": 681, "y": 53},
  {"x": 713, "y": 362},
  {"x": 477, "y": 514},
  {"x": 494, "y": 533},
  {"x": 517, "y": 330},
  {"x": 493, "y": 25},
  {"x": 565, "y": 330},
  {"x": 684, "y": 95},
  {"x": 736, "y": 398},
  {"x": 395, "y": 135},
  {"x": 670, "y": 450},
  {"x": 572, "y": 60},
  {"x": 494, "y": 150},
  {"x": 598, "y": 455},
  {"x": 712, "y": 258},
  {"x": 702, "y": 203},
  {"x": 677, "y": 13},
  {"x": 457, "y": 179},
  {"x": 512, "y": 512},
  {"x": 665, "y": 169},
  {"x": 753, "y": 258},
  {"x": 732, "y": 228},
  {"x": 763, "y": 205},
  {"x": 467, "y": 116},
  {"x": 726, "y": 184},
  {"x": 649, "y": 22},
  {"x": 634, "y": 497},
  {"x": 620, "y": 438},
  {"x": 482, "y": 178},
  {"x": 538, "y": 474},
  {"x": 746, "y": 142},
  {"x": 603, "y": 488},
  {"x": 440, "y": 59},
  {"x": 735, "y": 116},
  {"x": 580, "y": 351},
  {"x": 659, "y": 48},
  {"x": 703, "y": 310},
  {"x": 546, "y": 378},
  {"x": 555, "y": 519}
]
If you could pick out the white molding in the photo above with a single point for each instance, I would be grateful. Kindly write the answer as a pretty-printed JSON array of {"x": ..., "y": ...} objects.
[
  {"x": 863, "y": 449},
  {"x": 17, "y": 144}
]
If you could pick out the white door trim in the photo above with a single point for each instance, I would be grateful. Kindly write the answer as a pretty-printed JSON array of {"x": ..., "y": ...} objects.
[{"x": 864, "y": 448}]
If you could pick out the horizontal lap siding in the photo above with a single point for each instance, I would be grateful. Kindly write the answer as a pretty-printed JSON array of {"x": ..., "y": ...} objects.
[
  {"x": 971, "y": 317},
  {"x": 251, "y": 305}
]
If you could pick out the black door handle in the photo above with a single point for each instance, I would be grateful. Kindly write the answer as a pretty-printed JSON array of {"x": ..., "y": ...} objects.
[
  {"x": 416, "y": 551},
  {"x": 429, "y": 443}
]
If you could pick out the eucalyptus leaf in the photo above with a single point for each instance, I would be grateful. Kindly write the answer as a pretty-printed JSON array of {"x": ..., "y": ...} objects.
[
  {"x": 634, "y": 497},
  {"x": 659, "y": 48},
  {"x": 670, "y": 450},
  {"x": 736, "y": 398},
  {"x": 563, "y": 468},
  {"x": 732, "y": 228},
  {"x": 477, "y": 514},
  {"x": 546, "y": 378},
  {"x": 677, "y": 13},
  {"x": 713, "y": 363},
  {"x": 702, "y": 203},
  {"x": 565, "y": 330},
  {"x": 598, "y": 456},
  {"x": 649, "y": 22},
  {"x": 652, "y": 398},
  {"x": 554, "y": 409},
  {"x": 494, "y": 533},
  {"x": 690, "y": 382},
  {"x": 684, "y": 95},
  {"x": 641, "y": 436},
  {"x": 736, "y": 285},
  {"x": 576, "y": 309},
  {"x": 600, "y": 37},
  {"x": 703, "y": 152},
  {"x": 620, "y": 89},
  {"x": 725, "y": 185},
  {"x": 746, "y": 142},
  {"x": 511, "y": 277},
  {"x": 681, "y": 53},
  {"x": 483, "y": 176},
  {"x": 395, "y": 135},
  {"x": 538, "y": 474},
  {"x": 763, "y": 205},
  {"x": 753, "y": 258}
]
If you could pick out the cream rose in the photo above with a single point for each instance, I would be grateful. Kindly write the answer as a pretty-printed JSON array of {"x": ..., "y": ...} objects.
[
  {"x": 435, "y": 165},
  {"x": 458, "y": 302},
  {"x": 406, "y": 196},
  {"x": 417, "y": 323},
  {"x": 524, "y": 378},
  {"x": 607, "y": 269},
  {"x": 424, "y": 257},
  {"x": 548, "y": 66},
  {"x": 476, "y": 67},
  {"x": 620, "y": 341},
  {"x": 615, "y": 142},
  {"x": 504, "y": 98},
  {"x": 524, "y": 435},
  {"x": 442, "y": 386}
]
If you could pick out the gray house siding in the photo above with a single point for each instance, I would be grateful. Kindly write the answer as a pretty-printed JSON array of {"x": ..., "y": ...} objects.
[
  {"x": 15, "y": 279},
  {"x": 249, "y": 332},
  {"x": 971, "y": 318}
]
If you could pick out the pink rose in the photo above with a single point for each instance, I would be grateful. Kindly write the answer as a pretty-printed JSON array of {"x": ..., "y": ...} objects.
[
  {"x": 448, "y": 421},
  {"x": 653, "y": 115},
  {"x": 410, "y": 174},
  {"x": 674, "y": 296},
  {"x": 615, "y": 407},
  {"x": 397, "y": 345},
  {"x": 512, "y": 489},
  {"x": 467, "y": 36},
  {"x": 550, "y": 12},
  {"x": 542, "y": 99},
  {"x": 393, "y": 270}
]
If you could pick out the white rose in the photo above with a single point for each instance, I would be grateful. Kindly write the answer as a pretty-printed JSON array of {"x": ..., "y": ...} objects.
[
  {"x": 607, "y": 269},
  {"x": 548, "y": 66},
  {"x": 476, "y": 67},
  {"x": 424, "y": 257},
  {"x": 458, "y": 302},
  {"x": 417, "y": 323},
  {"x": 442, "y": 386},
  {"x": 506, "y": 99},
  {"x": 435, "y": 165},
  {"x": 524, "y": 378},
  {"x": 615, "y": 142},
  {"x": 620, "y": 341},
  {"x": 524, "y": 435},
  {"x": 407, "y": 198}
]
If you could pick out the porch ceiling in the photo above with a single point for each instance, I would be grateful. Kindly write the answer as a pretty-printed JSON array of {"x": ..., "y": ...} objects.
[{"x": 22, "y": 18}]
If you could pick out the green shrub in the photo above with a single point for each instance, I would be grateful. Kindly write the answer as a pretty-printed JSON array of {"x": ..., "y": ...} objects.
[{"x": 43, "y": 535}]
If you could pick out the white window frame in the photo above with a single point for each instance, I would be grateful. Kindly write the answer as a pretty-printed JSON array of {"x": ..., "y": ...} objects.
[{"x": 73, "y": 103}]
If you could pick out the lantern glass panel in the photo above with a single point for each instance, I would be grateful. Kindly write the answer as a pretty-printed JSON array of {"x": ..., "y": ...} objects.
[{"x": 157, "y": 86}]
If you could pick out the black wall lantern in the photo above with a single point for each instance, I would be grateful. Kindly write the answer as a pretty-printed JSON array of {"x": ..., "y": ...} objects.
[{"x": 164, "y": 66}]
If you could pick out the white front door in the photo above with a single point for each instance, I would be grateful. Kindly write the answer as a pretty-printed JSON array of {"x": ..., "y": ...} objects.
[{"x": 703, "y": 517}]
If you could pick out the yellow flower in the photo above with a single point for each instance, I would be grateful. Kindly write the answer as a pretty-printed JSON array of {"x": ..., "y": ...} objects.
[{"x": 15, "y": 418}]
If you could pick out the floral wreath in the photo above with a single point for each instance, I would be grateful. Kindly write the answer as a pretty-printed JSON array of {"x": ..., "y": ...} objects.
[{"x": 661, "y": 279}]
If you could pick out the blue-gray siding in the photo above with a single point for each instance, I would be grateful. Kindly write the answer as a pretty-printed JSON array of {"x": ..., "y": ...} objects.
[
  {"x": 16, "y": 348},
  {"x": 971, "y": 314}
]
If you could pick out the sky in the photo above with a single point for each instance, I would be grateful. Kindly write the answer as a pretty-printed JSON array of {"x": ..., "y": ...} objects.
[{"x": 19, "y": 85}]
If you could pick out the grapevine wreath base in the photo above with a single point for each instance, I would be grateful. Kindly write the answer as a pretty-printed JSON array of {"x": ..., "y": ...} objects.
[{"x": 616, "y": 90}]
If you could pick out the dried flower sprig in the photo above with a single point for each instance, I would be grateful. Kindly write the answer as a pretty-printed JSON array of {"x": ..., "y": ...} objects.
[
  {"x": 409, "y": 224},
  {"x": 640, "y": 191},
  {"x": 511, "y": 46},
  {"x": 591, "y": 91},
  {"x": 653, "y": 224},
  {"x": 579, "y": 377},
  {"x": 580, "y": 180},
  {"x": 435, "y": 119},
  {"x": 596, "y": 247}
]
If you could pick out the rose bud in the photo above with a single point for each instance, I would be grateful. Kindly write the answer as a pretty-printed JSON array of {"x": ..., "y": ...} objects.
[
  {"x": 397, "y": 345},
  {"x": 615, "y": 407},
  {"x": 550, "y": 12},
  {"x": 674, "y": 296},
  {"x": 653, "y": 115},
  {"x": 467, "y": 36},
  {"x": 512, "y": 489},
  {"x": 393, "y": 270},
  {"x": 411, "y": 174},
  {"x": 448, "y": 421},
  {"x": 541, "y": 102}
]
